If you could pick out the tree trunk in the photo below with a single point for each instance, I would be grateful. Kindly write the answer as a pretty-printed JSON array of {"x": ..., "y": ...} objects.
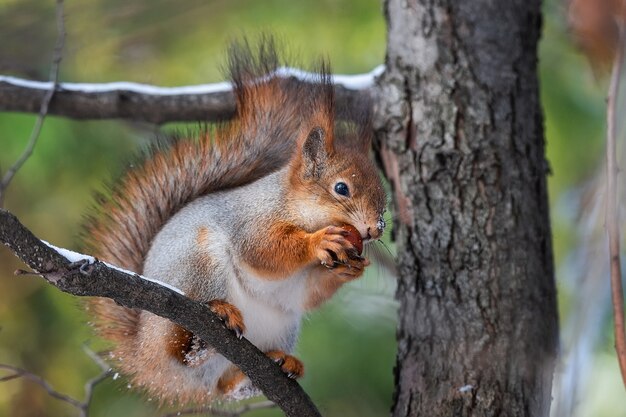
[{"x": 461, "y": 138}]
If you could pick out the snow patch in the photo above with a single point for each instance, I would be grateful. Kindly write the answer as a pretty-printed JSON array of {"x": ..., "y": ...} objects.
[
  {"x": 359, "y": 81},
  {"x": 77, "y": 257},
  {"x": 71, "y": 255},
  {"x": 156, "y": 281},
  {"x": 120, "y": 86},
  {"x": 352, "y": 82},
  {"x": 466, "y": 388}
]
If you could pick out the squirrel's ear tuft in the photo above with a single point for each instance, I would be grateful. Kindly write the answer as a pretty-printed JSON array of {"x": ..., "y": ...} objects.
[{"x": 315, "y": 153}]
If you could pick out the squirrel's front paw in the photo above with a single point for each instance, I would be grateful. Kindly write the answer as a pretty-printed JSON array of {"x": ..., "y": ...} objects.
[
  {"x": 352, "y": 269},
  {"x": 230, "y": 315},
  {"x": 330, "y": 244}
]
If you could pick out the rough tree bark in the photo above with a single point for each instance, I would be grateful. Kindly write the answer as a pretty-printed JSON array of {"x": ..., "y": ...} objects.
[
  {"x": 460, "y": 132},
  {"x": 147, "y": 103}
]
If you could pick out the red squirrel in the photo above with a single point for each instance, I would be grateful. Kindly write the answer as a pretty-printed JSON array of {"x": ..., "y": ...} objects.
[{"x": 248, "y": 217}]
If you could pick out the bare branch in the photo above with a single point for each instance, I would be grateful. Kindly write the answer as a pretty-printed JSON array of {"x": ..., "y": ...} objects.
[
  {"x": 140, "y": 102},
  {"x": 612, "y": 214},
  {"x": 22, "y": 373},
  {"x": 89, "y": 387},
  {"x": 104, "y": 367},
  {"x": 91, "y": 384},
  {"x": 133, "y": 291},
  {"x": 45, "y": 103},
  {"x": 83, "y": 407},
  {"x": 217, "y": 412}
]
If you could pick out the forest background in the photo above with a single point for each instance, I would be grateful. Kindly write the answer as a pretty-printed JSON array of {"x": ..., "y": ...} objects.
[{"x": 349, "y": 345}]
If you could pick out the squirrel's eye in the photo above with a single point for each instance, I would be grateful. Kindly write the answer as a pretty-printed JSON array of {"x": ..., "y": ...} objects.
[{"x": 342, "y": 189}]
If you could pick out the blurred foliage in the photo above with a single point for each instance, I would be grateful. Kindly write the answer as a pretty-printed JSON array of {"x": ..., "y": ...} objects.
[{"x": 349, "y": 345}]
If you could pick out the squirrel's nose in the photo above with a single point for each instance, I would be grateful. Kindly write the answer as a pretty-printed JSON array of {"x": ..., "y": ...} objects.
[
  {"x": 373, "y": 234},
  {"x": 380, "y": 225},
  {"x": 377, "y": 231}
]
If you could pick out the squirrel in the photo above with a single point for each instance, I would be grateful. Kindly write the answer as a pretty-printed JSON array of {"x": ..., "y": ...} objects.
[{"x": 252, "y": 217}]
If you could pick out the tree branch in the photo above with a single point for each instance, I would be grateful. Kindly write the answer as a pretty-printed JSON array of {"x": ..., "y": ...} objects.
[
  {"x": 83, "y": 407},
  {"x": 22, "y": 373},
  {"x": 612, "y": 214},
  {"x": 95, "y": 278},
  {"x": 140, "y": 102},
  {"x": 105, "y": 371},
  {"x": 44, "y": 103}
]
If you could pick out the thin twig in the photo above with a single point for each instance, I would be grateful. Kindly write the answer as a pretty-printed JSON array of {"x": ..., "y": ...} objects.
[
  {"x": 217, "y": 412},
  {"x": 89, "y": 387},
  {"x": 612, "y": 212},
  {"x": 83, "y": 407},
  {"x": 22, "y": 373},
  {"x": 43, "y": 110},
  {"x": 104, "y": 367},
  {"x": 91, "y": 384}
]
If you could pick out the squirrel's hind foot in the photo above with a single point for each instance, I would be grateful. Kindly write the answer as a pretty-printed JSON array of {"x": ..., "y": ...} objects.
[
  {"x": 352, "y": 269},
  {"x": 233, "y": 383},
  {"x": 290, "y": 365},
  {"x": 230, "y": 315}
]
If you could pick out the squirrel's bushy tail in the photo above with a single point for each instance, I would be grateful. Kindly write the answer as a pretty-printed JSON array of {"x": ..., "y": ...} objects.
[{"x": 272, "y": 111}]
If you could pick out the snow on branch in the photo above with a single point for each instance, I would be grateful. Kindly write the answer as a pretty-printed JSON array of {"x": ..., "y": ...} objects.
[
  {"x": 85, "y": 276},
  {"x": 141, "y": 102}
]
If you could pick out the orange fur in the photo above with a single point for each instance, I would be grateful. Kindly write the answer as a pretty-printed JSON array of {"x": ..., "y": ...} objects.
[
  {"x": 202, "y": 262},
  {"x": 594, "y": 26},
  {"x": 202, "y": 237},
  {"x": 288, "y": 248},
  {"x": 284, "y": 249},
  {"x": 179, "y": 343}
]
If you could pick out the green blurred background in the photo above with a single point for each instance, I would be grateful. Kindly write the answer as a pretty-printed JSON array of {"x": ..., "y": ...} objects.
[{"x": 349, "y": 345}]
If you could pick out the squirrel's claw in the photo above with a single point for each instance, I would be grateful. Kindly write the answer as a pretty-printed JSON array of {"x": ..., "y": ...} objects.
[
  {"x": 238, "y": 332},
  {"x": 279, "y": 360},
  {"x": 353, "y": 254},
  {"x": 351, "y": 269}
]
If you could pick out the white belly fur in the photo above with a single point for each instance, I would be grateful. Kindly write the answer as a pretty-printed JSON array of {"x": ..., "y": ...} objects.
[{"x": 271, "y": 309}]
